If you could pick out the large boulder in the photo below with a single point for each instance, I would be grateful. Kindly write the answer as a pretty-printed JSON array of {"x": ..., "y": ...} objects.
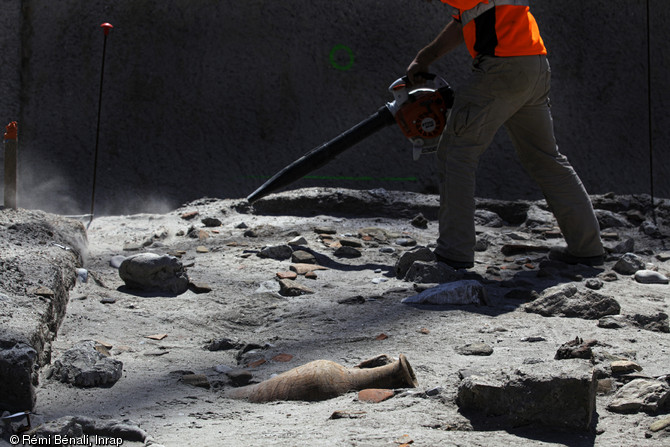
[{"x": 556, "y": 394}]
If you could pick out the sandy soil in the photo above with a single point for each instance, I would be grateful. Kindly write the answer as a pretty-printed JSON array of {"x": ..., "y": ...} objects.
[{"x": 152, "y": 393}]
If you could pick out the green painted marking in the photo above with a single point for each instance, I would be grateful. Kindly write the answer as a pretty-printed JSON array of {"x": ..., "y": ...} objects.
[{"x": 336, "y": 64}]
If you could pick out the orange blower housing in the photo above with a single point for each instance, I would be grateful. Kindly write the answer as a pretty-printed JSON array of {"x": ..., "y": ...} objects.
[{"x": 421, "y": 113}]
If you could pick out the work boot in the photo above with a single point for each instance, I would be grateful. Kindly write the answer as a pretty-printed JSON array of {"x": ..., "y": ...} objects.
[
  {"x": 561, "y": 254},
  {"x": 456, "y": 265}
]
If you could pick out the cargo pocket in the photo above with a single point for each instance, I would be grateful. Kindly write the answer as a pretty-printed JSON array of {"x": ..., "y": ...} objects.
[{"x": 467, "y": 122}]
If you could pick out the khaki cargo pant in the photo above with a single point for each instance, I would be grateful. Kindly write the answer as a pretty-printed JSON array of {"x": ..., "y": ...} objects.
[{"x": 509, "y": 91}]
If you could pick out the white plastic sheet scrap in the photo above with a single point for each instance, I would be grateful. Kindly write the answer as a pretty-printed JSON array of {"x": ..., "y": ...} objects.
[{"x": 458, "y": 292}]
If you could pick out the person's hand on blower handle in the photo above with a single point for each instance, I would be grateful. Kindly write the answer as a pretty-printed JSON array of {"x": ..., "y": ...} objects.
[{"x": 449, "y": 38}]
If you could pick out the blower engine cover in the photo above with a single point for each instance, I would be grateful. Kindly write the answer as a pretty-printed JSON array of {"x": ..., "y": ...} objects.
[{"x": 421, "y": 113}]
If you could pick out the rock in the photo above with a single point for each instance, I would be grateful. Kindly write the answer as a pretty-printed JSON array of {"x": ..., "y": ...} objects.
[
  {"x": 289, "y": 287},
  {"x": 628, "y": 264},
  {"x": 347, "y": 252},
  {"x": 609, "y": 276},
  {"x": 298, "y": 241},
  {"x": 551, "y": 394},
  {"x": 405, "y": 242},
  {"x": 640, "y": 395},
  {"x": 303, "y": 257},
  {"x": 197, "y": 380},
  {"x": 594, "y": 284},
  {"x": 459, "y": 292},
  {"x": 650, "y": 229},
  {"x": 537, "y": 217},
  {"x": 627, "y": 246},
  {"x": 576, "y": 349},
  {"x": 378, "y": 234},
  {"x": 287, "y": 275},
  {"x": 211, "y": 222},
  {"x": 325, "y": 230},
  {"x": 608, "y": 219},
  {"x": 223, "y": 344},
  {"x": 75, "y": 428},
  {"x": 612, "y": 322},
  {"x": 84, "y": 366},
  {"x": 665, "y": 256},
  {"x": 660, "y": 424},
  {"x": 419, "y": 221},
  {"x": 154, "y": 273},
  {"x": 624, "y": 366},
  {"x": 568, "y": 301},
  {"x": 432, "y": 273},
  {"x": 410, "y": 257},
  {"x": 199, "y": 287},
  {"x": 18, "y": 362},
  {"x": 650, "y": 277},
  {"x": 277, "y": 252},
  {"x": 656, "y": 323},
  {"x": 475, "y": 349},
  {"x": 488, "y": 219},
  {"x": 482, "y": 244}
]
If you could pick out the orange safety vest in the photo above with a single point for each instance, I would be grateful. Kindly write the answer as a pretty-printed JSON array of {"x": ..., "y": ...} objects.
[{"x": 498, "y": 27}]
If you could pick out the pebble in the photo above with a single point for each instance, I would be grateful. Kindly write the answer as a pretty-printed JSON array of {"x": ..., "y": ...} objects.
[
  {"x": 660, "y": 424},
  {"x": 289, "y": 287},
  {"x": 298, "y": 241},
  {"x": 475, "y": 349},
  {"x": 650, "y": 277},
  {"x": 405, "y": 242},
  {"x": 609, "y": 276},
  {"x": 624, "y": 366}
]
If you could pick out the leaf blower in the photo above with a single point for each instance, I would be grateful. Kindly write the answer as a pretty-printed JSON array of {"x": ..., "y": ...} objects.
[{"x": 421, "y": 114}]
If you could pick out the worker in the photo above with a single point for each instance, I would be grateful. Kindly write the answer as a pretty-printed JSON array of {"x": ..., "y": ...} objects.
[{"x": 509, "y": 86}]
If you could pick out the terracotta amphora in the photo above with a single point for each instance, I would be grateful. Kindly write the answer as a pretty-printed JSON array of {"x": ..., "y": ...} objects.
[{"x": 324, "y": 379}]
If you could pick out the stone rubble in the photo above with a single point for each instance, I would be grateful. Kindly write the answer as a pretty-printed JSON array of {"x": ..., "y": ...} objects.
[{"x": 556, "y": 391}]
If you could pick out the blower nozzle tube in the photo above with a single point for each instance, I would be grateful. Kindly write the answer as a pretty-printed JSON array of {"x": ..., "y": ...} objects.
[{"x": 321, "y": 155}]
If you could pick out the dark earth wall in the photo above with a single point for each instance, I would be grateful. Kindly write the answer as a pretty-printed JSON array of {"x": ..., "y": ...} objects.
[{"x": 210, "y": 97}]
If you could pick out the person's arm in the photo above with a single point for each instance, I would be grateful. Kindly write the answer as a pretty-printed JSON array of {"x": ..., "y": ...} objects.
[{"x": 449, "y": 38}]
